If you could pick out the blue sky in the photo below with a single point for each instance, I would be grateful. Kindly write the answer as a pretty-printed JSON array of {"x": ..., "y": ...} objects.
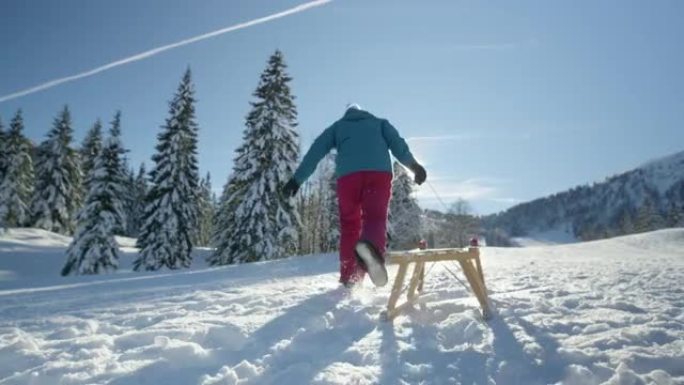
[{"x": 503, "y": 101}]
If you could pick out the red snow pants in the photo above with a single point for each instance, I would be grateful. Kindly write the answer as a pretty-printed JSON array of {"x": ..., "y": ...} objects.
[{"x": 363, "y": 199}]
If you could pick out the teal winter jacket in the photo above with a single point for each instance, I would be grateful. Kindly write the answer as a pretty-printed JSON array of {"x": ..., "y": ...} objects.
[{"x": 363, "y": 142}]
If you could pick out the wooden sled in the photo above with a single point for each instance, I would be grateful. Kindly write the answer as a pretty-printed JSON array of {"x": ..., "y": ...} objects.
[{"x": 469, "y": 259}]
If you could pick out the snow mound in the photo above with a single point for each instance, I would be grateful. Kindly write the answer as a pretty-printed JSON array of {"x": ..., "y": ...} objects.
[
  {"x": 32, "y": 238},
  {"x": 125, "y": 242}
]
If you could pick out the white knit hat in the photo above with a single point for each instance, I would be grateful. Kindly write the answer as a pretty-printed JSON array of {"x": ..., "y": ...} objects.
[{"x": 353, "y": 106}]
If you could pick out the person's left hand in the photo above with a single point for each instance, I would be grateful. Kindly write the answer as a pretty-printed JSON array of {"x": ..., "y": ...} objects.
[{"x": 291, "y": 188}]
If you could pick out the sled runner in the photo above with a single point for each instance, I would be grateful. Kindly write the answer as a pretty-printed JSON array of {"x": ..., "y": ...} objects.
[{"x": 469, "y": 259}]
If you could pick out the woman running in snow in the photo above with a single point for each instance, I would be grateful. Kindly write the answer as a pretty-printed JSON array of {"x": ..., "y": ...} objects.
[{"x": 364, "y": 183}]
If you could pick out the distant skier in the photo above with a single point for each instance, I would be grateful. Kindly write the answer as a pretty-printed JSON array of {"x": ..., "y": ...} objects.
[{"x": 364, "y": 183}]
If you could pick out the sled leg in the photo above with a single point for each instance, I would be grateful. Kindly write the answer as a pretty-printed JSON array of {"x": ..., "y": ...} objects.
[
  {"x": 415, "y": 280},
  {"x": 422, "y": 279},
  {"x": 478, "y": 264},
  {"x": 396, "y": 289},
  {"x": 476, "y": 285},
  {"x": 420, "y": 286}
]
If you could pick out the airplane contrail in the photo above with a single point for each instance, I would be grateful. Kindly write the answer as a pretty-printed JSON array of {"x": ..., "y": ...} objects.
[{"x": 158, "y": 50}]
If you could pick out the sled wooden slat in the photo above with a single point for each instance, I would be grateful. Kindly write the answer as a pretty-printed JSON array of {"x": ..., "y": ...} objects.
[{"x": 468, "y": 259}]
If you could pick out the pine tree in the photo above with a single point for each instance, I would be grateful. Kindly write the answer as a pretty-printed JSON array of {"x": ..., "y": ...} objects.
[
  {"x": 675, "y": 215},
  {"x": 206, "y": 212},
  {"x": 3, "y": 151},
  {"x": 119, "y": 171},
  {"x": 648, "y": 218},
  {"x": 129, "y": 200},
  {"x": 115, "y": 132},
  {"x": 16, "y": 185},
  {"x": 138, "y": 189},
  {"x": 404, "y": 213},
  {"x": 58, "y": 179},
  {"x": 171, "y": 206},
  {"x": 256, "y": 222},
  {"x": 90, "y": 148},
  {"x": 3, "y": 156},
  {"x": 224, "y": 216},
  {"x": 124, "y": 171},
  {"x": 626, "y": 223},
  {"x": 94, "y": 248}
]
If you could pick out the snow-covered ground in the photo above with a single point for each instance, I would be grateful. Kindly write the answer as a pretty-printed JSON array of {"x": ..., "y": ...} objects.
[{"x": 605, "y": 312}]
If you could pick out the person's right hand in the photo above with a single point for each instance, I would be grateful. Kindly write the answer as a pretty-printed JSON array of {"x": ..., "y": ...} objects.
[
  {"x": 291, "y": 188},
  {"x": 419, "y": 173}
]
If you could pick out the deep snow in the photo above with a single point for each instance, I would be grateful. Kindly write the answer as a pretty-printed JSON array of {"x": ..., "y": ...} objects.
[{"x": 607, "y": 312}]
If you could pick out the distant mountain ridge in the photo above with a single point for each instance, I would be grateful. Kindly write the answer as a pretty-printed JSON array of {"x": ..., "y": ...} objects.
[{"x": 647, "y": 198}]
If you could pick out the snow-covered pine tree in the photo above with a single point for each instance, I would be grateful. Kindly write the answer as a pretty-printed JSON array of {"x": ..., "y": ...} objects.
[
  {"x": 3, "y": 149},
  {"x": 206, "y": 212},
  {"x": 16, "y": 186},
  {"x": 138, "y": 190},
  {"x": 224, "y": 216},
  {"x": 119, "y": 172},
  {"x": 171, "y": 206},
  {"x": 675, "y": 215},
  {"x": 404, "y": 213},
  {"x": 131, "y": 204},
  {"x": 648, "y": 217},
  {"x": 626, "y": 222},
  {"x": 124, "y": 171},
  {"x": 256, "y": 222},
  {"x": 90, "y": 148},
  {"x": 58, "y": 179},
  {"x": 93, "y": 248}
]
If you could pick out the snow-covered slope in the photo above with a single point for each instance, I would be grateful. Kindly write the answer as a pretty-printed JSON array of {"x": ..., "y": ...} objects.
[
  {"x": 607, "y": 208},
  {"x": 665, "y": 172},
  {"x": 556, "y": 236},
  {"x": 606, "y": 312}
]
